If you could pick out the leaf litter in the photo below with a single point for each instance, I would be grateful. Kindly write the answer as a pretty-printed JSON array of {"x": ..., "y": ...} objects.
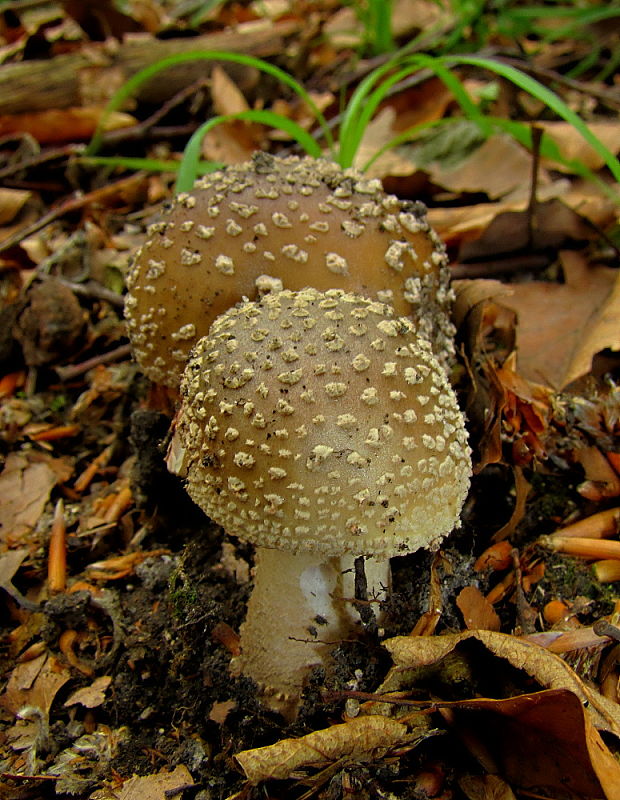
[{"x": 497, "y": 670}]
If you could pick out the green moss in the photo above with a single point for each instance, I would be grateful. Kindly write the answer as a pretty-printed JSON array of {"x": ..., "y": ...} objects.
[
  {"x": 570, "y": 578},
  {"x": 182, "y": 592}
]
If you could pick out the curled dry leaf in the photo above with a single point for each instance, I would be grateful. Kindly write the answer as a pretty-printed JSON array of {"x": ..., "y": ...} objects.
[
  {"x": 361, "y": 739},
  {"x": 546, "y": 668},
  {"x": 542, "y": 741}
]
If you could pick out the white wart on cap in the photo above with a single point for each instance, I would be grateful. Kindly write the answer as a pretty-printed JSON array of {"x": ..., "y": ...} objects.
[
  {"x": 303, "y": 222},
  {"x": 321, "y": 422}
]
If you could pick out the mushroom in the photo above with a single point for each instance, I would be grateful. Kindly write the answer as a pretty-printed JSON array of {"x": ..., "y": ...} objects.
[
  {"x": 320, "y": 427},
  {"x": 300, "y": 222}
]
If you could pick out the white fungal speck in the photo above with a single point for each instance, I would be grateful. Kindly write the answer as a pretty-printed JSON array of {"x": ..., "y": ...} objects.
[
  {"x": 335, "y": 389},
  {"x": 185, "y": 332},
  {"x": 205, "y": 231},
  {"x": 295, "y": 253},
  {"x": 369, "y": 396},
  {"x": 280, "y": 220},
  {"x": 233, "y": 228},
  {"x": 337, "y": 264},
  {"x": 190, "y": 257},
  {"x": 224, "y": 264}
]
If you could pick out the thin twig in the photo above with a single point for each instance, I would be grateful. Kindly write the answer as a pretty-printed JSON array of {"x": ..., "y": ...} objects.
[
  {"x": 532, "y": 205},
  {"x": 41, "y": 158},
  {"x": 528, "y": 262},
  {"x": 610, "y": 96},
  {"x": 95, "y": 290},
  {"x": 67, "y": 373},
  {"x": 74, "y": 203},
  {"x": 138, "y": 131}
]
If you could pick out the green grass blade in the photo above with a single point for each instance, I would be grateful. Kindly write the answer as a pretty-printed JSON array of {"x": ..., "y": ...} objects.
[
  {"x": 148, "y": 164},
  {"x": 358, "y": 115},
  {"x": 188, "y": 170},
  {"x": 380, "y": 26},
  {"x": 366, "y": 100},
  {"x": 358, "y": 106},
  {"x": 455, "y": 85},
  {"x": 129, "y": 88},
  {"x": 548, "y": 97}
]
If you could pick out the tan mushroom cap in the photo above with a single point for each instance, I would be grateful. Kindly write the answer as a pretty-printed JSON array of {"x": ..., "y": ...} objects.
[
  {"x": 302, "y": 222},
  {"x": 321, "y": 422}
]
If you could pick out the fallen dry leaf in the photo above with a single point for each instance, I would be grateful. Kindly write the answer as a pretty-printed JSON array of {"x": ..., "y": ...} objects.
[
  {"x": 361, "y": 739},
  {"x": 573, "y": 146},
  {"x": 562, "y": 326},
  {"x": 226, "y": 95},
  {"x": 541, "y": 741},
  {"x": 547, "y": 669},
  {"x": 496, "y": 168},
  {"x": 418, "y": 105},
  {"x": 159, "y": 786},
  {"x": 34, "y": 683},
  {"x": 519, "y": 234},
  {"x": 25, "y": 487},
  {"x": 9, "y": 564},
  {"x": 11, "y": 203},
  {"x": 230, "y": 142},
  {"x": 477, "y": 612},
  {"x": 90, "y": 696},
  {"x": 462, "y": 223},
  {"x": 63, "y": 125},
  {"x": 485, "y": 787}
]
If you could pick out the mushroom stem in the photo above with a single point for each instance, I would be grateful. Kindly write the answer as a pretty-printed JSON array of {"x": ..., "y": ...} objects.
[{"x": 295, "y": 616}]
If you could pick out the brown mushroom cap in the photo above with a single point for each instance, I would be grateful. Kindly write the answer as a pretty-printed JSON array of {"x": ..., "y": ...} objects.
[
  {"x": 321, "y": 422},
  {"x": 303, "y": 222}
]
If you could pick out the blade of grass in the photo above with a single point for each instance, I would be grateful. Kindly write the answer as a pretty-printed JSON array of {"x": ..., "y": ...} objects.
[
  {"x": 366, "y": 100},
  {"x": 356, "y": 109},
  {"x": 358, "y": 115},
  {"x": 455, "y": 85},
  {"x": 548, "y": 97},
  {"x": 519, "y": 131},
  {"x": 380, "y": 26},
  {"x": 129, "y": 88},
  {"x": 148, "y": 164},
  {"x": 353, "y": 123},
  {"x": 188, "y": 169}
]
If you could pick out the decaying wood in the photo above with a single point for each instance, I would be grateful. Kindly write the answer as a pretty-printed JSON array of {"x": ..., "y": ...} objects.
[{"x": 69, "y": 80}]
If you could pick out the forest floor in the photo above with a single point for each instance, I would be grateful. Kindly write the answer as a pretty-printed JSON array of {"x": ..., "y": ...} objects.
[{"x": 120, "y": 602}]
